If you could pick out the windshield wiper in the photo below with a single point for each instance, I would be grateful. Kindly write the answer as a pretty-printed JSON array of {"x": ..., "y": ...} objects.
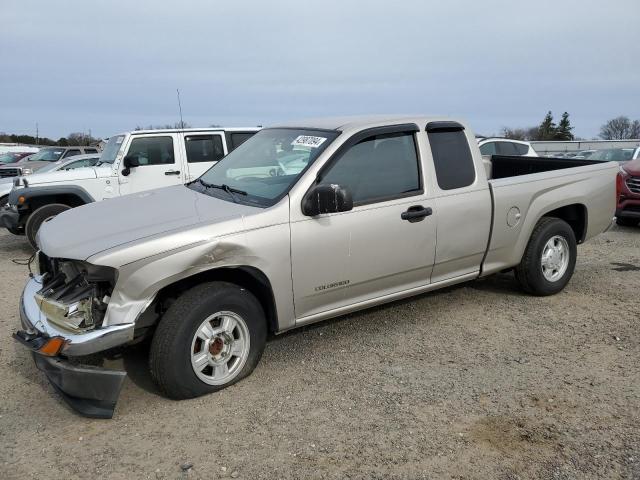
[{"x": 225, "y": 187}]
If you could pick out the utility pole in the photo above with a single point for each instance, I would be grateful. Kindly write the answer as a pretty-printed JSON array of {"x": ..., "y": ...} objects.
[
  {"x": 180, "y": 108},
  {"x": 37, "y": 136}
]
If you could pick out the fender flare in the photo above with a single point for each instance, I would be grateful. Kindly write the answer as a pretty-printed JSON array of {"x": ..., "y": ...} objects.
[{"x": 30, "y": 193}]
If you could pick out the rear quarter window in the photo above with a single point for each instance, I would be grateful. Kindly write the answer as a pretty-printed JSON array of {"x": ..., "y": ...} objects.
[
  {"x": 506, "y": 148},
  {"x": 238, "y": 138},
  {"x": 452, "y": 159},
  {"x": 521, "y": 149}
]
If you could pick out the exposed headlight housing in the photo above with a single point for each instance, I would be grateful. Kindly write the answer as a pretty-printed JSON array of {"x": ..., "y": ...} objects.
[{"x": 74, "y": 294}]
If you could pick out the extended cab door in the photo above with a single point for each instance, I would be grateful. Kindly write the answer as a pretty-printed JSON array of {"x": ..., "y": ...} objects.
[
  {"x": 160, "y": 163},
  {"x": 373, "y": 250},
  {"x": 203, "y": 151},
  {"x": 462, "y": 199}
]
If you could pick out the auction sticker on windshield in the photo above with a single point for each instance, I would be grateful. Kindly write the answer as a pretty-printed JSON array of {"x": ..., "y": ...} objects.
[{"x": 308, "y": 141}]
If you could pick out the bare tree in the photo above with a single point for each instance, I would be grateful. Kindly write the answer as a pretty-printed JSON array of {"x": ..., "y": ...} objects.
[
  {"x": 635, "y": 129},
  {"x": 619, "y": 128},
  {"x": 529, "y": 133},
  {"x": 514, "y": 133}
]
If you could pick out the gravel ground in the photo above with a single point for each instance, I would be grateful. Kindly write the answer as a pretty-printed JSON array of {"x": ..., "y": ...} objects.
[{"x": 475, "y": 381}]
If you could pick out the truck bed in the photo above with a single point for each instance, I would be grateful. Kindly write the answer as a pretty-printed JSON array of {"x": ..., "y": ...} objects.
[
  {"x": 503, "y": 166},
  {"x": 523, "y": 189}
]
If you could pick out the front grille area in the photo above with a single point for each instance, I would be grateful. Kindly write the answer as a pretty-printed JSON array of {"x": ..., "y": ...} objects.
[
  {"x": 10, "y": 172},
  {"x": 633, "y": 183}
]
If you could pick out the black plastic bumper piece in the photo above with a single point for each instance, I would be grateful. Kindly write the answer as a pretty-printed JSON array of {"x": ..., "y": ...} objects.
[
  {"x": 9, "y": 218},
  {"x": 621, "y": 213},
  {"x": 91, "y": 391}
]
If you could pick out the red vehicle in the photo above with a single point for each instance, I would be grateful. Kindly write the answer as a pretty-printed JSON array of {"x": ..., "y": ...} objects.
[{"x": 628, "y": 189}]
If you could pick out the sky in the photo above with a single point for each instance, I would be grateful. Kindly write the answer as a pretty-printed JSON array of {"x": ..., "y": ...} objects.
[{"x": 109, "y": 66}]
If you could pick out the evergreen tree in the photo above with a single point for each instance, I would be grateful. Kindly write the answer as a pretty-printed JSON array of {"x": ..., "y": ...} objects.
[
  {"x": 563, "y": 132},
  {"x": 547, "y": 129}
]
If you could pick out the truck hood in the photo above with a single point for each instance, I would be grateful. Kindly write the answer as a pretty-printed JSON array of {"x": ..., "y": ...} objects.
[
  {"x": 632, "y": 167},
  {"x": 65, "y": 175},
  {"x": 84, "y": 231}
]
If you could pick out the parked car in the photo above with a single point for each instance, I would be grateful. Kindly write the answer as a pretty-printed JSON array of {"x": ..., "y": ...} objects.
[
  {"x": 585, "y": 153},
  {"x": 12, "y": 157},
  {"x": 628, "y": 190},
  {"x": 377, "y": 209},
  {"x": 78, "y": 161},
  {"x": 131, "y": 162},
  {"x": 504, "y": 146},
  {"x": 44, "y": 157},
  {"x": 620, "y": 155}
]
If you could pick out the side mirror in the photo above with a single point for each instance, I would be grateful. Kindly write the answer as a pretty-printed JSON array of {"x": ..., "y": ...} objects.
[
  {"x": 326, "y": 199},
  {"x": 129, "y": 162}
]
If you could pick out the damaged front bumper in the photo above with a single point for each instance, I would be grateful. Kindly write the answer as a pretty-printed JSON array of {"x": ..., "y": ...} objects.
[{"x": 92, "y": 391}]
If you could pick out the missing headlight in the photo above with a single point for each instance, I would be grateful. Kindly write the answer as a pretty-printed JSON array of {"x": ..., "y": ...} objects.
[{"x": 74, "y": 294}]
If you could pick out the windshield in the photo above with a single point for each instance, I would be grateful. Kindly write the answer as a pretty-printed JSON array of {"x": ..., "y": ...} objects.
[
  {"x": 613, "y": 155},
  {"x": 265, "y": 167},
  {"x": 111, "y": 149},
  {"x": 47, "y": 155},
  {"x": 10, "y": 157}
]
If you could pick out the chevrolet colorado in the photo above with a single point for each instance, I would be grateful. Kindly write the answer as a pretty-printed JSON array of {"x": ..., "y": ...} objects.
[{"x": 301, "y": 223}]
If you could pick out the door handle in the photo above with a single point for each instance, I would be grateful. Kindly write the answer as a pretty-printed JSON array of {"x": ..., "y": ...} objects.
[
  {"x": 172, "y": 172},
  {"x": 416, "y": 213}
]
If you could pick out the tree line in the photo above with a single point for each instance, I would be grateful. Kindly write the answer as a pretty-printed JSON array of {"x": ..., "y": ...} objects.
[
  {"x": 73, "y": 139},
  {"x": 619, "y": 128}
]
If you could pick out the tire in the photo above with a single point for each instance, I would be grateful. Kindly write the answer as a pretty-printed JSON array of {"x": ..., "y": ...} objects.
[
  {"x": 38, "y": 217},
  {"x": 627, "y": 222},
  {"x": 3, "y": 200},
  {"x": 542, "y": 278},
  {"x": 177, "y": 340}
]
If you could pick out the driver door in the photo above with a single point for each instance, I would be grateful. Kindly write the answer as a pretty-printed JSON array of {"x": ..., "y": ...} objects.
[
  {"x": 345, "y": 258},
  {"x": 160, "y": 163}
]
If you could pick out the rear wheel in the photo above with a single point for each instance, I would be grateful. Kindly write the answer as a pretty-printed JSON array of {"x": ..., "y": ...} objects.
[
  {"x": 38, "y": 217},
  {"x": 627, "y": 222},
  {"x": 549, "y": 259},
  {"x": 211, "y": 337}
]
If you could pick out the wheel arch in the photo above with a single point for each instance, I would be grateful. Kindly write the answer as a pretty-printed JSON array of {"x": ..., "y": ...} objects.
[
  {"x": 36, "y": 197},
  {"x": 248, "y": 277},
  {"x": 575, "y": 215}
]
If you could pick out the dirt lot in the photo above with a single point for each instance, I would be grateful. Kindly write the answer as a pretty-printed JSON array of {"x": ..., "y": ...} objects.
[{"x": 476, "y": 381}]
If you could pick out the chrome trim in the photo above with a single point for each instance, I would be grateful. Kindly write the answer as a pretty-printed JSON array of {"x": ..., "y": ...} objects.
[
  {"x": 633, "y": 184},
  {"x": 85, "y": 343}
]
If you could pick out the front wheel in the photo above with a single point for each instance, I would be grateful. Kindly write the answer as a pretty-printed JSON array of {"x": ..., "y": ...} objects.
[
  {"x": 38, "y": 217},
  {"x": 549, "y": 259},
  {"x": 210, "y": 337}
]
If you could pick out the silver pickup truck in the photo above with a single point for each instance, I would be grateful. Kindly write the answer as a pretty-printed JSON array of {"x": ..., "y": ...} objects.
[{"x": 300, "y": 223}]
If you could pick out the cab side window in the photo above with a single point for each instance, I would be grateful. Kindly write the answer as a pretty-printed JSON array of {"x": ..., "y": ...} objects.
[
  {"x": 452, "y": 159},
  {"x": 152, "y": 150},
  {"x": 204, "y": 148},
  {"x": 378, "y": 168}
]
